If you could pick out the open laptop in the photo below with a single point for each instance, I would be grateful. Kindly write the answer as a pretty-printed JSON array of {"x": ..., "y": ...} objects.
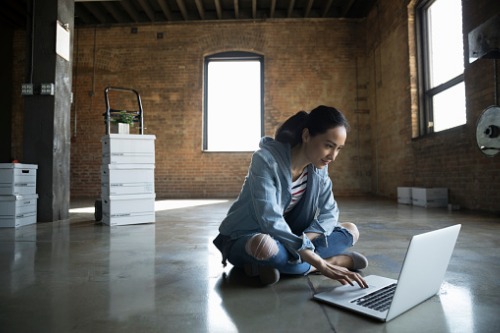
[{"x": 423, "y": 271}]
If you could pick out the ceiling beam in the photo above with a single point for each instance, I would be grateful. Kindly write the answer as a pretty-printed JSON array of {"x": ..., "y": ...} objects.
[
  {"x": 327, "y": 8},
  {"x": 236, "y": 9},
  {"x": 129, "y": 8},
  {"x": 347, "y": 8},
  {"x": 218, "y": 8},
  {"x": 165, "y": 8},
  {"x": 95, "y": 12},
  {"x": 83, "y": 15},
  {"x": 115, "y": 13},
  {"x": 147, "y": 9},
  {"x": 272, "y": 10},
  {"x": 201, "y": 10},
  {"x": 308, "y": 8},
  {"x": 291, "y": 4},
  {"x": 182, "y": 8}
]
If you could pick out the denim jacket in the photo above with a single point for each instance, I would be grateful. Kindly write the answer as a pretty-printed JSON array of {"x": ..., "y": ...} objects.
[{"x": 266, "y": 193}]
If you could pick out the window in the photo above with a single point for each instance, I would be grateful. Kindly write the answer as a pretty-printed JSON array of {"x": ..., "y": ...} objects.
[
  {"x": 441, "y": 65},
  {"x": 233, "y": 105}
]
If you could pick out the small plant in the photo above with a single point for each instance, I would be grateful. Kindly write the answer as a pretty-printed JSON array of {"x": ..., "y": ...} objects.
[{"x": 124, "y": 117}]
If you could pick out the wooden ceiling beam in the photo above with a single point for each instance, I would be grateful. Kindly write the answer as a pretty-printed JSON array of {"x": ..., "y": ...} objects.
[
  {"x": 182, "y": 8},
  {"x": 291, "y": 5},
  {"x": 147, "y": 9},
  {"x": 201, "y": 10},
  {"x": 218, "y": 8},
  {"x": 131, "y": 11},
  {"x": 165, "y": 8}
]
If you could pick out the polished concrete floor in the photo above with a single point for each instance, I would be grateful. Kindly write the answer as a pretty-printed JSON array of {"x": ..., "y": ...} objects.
[{"x": 81, "y": 276}]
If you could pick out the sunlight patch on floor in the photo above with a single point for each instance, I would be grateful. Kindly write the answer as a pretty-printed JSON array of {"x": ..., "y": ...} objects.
[{"x": 161, "y": 205}]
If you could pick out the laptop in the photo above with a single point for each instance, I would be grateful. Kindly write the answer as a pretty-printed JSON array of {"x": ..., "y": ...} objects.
[{"x": 421, "y": 276}]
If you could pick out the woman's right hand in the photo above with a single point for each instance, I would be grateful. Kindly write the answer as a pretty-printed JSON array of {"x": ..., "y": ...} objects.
[
  {"x": 335, "y": 272},
  {"x": 341, "y": 274}
]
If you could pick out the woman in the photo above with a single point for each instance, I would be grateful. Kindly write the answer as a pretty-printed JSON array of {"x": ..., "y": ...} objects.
[{"x": 285, "y": 219}]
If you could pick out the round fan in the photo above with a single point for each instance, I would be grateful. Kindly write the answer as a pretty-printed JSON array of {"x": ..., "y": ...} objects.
[{"x": 488, "y": 131}]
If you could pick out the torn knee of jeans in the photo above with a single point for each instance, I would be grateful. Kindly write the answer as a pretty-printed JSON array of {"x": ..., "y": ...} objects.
[{"x": 262, "y": 247}]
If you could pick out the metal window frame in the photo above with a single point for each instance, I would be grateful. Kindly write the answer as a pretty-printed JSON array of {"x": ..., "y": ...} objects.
[
  {"x": 230, "y": 56},
  {"x": 425, "y": 91}
]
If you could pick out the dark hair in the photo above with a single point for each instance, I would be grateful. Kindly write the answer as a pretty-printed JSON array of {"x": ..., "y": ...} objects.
[{"x": 318, "y": 121}]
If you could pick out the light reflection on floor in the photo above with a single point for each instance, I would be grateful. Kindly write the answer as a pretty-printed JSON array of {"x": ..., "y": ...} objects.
[
  {"x": 457, "y": 305},
  {"x": 217, "y": 317},
  {"x": 161, "y": 205}
]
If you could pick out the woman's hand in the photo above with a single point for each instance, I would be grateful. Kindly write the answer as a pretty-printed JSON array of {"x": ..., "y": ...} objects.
[{"x": 335, "y": 272}]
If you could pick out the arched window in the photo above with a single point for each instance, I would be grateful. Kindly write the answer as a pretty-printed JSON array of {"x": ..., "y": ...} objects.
[{"x": 233, "y": 102}]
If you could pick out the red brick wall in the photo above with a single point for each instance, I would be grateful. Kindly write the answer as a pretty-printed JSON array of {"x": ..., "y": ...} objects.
[
  {"x": 365, "y": 68},
  {"x": 448, "y": 159},
  {"x": 306, "y": 64}
]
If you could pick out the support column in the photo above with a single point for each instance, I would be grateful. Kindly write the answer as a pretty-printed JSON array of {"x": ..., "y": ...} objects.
[{"x": 47, "y": 130}]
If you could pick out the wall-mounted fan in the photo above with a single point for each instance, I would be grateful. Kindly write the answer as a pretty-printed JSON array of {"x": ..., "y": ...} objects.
[{"x": 488, "y": 131}]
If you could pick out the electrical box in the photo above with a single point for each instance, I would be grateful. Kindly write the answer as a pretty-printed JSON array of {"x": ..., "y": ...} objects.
[{"x": 30, "y": 89}]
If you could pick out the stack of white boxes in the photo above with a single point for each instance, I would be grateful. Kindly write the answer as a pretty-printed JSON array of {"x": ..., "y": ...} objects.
[
  {"x": 127, "y": 179},
  {"x": 424, "y": 197},
  {"x": 18, "y": 197}
]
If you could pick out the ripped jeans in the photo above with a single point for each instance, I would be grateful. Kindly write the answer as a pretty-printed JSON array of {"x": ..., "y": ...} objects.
[{"x": 338, "y": 241}]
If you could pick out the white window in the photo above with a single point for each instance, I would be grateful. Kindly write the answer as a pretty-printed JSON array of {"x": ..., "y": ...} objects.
[
  {"x": 441, "y": 59},
  {"x": 233, "y": 104}
]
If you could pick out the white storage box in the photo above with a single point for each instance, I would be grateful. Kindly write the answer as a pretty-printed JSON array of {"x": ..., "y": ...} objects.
[
  {"x": 17, "y": 204},
  {"x": 17, "y": 210},
  {"x": 131, "y": 218},
  {"x": 128, "y": 148},
  {"x": 18, "y": 220},
  {"x": 404, "y": 195},
  {"x": 429, "y": 197},
  {"x": 127, "y": 189},
  {"x": 128, "y": 209},
  {"x": 17, "y": 178},
  {"x": 118, "y": 174}
]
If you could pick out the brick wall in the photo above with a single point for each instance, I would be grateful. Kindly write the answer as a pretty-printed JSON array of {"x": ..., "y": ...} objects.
[
  {"x": 448, "y": 159},
  {"x": 306, "y": 64},
  {"x": 365, "y": 68}
]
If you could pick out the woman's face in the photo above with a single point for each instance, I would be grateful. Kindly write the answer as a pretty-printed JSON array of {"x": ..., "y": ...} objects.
[{"x": 323, "y": 149}]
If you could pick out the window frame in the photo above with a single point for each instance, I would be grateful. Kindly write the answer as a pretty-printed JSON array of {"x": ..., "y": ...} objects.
[
  {"x": 426, "y": 92},
  {"x": 230, "y": 56}
]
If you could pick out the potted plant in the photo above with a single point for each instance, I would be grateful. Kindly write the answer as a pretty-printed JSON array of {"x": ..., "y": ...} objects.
[{"x": 124, "y": 120}]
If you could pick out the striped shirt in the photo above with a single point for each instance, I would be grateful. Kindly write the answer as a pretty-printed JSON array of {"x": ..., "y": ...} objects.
[{"x": 298, "y": 189}]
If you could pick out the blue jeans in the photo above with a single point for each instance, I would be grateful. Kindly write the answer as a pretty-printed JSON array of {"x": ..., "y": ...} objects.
[{"x": 338, "y": 241}]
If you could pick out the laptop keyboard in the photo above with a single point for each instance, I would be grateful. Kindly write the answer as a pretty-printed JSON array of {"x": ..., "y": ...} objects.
[{"x": 378, "y": 300}]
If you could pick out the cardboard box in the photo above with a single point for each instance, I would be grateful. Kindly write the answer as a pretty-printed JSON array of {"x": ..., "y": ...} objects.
[
  {"x": 404, "y": 195},
  {"x": 17, "y": 210},
  {"x": 430, "y": 197},
  {"x": 128, "y": 148},
  {"x": 17, "y": 178},
  {"x": 128, "y": 209}
]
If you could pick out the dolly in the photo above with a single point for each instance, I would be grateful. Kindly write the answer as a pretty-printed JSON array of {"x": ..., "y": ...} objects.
[{"x": 113, "y": 114}]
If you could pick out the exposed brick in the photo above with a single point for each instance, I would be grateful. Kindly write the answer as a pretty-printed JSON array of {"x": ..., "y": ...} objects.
[{"x": 366, "y": 68}]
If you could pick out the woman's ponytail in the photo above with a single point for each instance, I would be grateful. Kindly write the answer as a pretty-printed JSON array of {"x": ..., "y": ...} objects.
[{"x": 291, "y": 130}]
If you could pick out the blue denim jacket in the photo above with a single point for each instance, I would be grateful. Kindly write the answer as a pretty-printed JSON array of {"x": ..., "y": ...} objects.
[{"x": 266, "y": 193}]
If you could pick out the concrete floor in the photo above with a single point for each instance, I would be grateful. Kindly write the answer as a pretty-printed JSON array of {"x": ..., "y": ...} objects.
[{"x": 79, "y": 276}]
